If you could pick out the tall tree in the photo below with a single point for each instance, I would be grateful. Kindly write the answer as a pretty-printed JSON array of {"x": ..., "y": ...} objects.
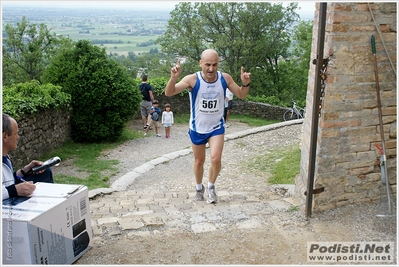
[
  {"x": 185, "y": 34},
  {"x": 252, "y": 34},
  {"x": 292, "y": 71},
  {"x": 296, "y": 68},
  {"x": 27, "y": 49},
  {"x": 303, "y": 39}
]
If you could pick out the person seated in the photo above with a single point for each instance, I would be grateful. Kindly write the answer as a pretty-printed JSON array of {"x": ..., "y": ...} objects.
[{"x": 20, "y": 182}]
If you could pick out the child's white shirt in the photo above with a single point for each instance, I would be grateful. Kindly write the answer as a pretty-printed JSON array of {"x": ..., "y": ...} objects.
[{"x": 167, "y": 117}]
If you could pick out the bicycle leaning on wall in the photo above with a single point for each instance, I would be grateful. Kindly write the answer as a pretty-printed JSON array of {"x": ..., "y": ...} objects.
[{"x": 294, "y": 113}]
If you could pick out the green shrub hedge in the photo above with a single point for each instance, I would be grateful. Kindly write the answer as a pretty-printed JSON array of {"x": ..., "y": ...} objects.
[
  {"x": 31, "y": 97},
  {"x": 104, "y": 97}
]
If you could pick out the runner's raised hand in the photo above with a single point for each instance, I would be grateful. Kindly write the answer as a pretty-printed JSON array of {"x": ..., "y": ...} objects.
[
  {"x": 176, "y": 70},
  {"x": 245, "y": 76}
]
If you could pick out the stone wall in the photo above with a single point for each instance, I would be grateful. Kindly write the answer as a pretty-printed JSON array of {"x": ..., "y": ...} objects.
[
  {"x": 261, "y": 110},
  {"x": 347, "y": 161},
  {"x": 40, "y": 133},
  {"x": 181, "y": 104}
]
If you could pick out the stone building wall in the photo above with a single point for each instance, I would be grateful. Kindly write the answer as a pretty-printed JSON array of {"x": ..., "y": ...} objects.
[
  {"x": 40, "y": 133},
  {"x": 347, "y": 161}
]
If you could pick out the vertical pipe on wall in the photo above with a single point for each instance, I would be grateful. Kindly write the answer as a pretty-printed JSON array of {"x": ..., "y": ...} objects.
[{"x": 315, "y": 110}]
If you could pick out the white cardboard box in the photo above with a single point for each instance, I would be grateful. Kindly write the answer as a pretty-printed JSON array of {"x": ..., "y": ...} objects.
[{"x": 47, "y": 229}]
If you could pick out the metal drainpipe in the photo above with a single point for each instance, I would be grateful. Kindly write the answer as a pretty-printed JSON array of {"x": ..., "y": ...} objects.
[{"x": 315, "y": 111}]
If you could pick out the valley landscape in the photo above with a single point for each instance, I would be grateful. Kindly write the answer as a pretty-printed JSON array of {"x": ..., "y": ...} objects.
[{"x": 120, "y": 30}]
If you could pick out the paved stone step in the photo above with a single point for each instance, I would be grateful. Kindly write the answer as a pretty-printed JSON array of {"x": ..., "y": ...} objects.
[{"x": 177, "y": 210}]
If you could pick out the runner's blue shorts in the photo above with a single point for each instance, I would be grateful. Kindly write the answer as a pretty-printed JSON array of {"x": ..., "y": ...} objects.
[{"x": 202, "y": 139}]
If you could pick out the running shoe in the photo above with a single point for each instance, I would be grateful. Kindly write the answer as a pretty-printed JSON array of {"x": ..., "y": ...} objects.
[
  {"x": 212, "y": 198},
  {"x": 200, "y": 194}
]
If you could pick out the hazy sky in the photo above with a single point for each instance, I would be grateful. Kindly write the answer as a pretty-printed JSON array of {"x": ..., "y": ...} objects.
[{"x": 306, "y": 10}]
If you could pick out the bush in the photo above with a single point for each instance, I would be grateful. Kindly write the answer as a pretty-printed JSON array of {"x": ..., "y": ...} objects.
[
  {"x": 31, "y": 97},
  {"x": 104, "y": 97}
]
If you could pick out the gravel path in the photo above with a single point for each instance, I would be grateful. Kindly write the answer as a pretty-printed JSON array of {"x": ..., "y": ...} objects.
[{"x": 251, "y": 224}]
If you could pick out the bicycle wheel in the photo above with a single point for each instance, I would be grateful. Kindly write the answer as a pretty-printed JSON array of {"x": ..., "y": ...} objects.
[
  {"x": 302, "y": 113},
  {"x": 289, "y": 115}
]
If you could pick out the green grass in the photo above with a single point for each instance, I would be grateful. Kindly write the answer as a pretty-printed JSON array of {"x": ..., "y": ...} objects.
[
  {"x": 293, "y": 208},
  {"x": 283, "y": 165},
  {"x": 251, "y": 121},
  {"x": 86, "y": 158},
  {"x": 181, "y": 118}
]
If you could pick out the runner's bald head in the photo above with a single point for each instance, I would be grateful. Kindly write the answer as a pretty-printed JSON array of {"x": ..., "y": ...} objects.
[{"x": 209, "y": 53}]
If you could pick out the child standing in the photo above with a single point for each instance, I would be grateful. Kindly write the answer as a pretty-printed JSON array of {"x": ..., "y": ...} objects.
[
  {"x": 167, "y": 120},
  {"x": 155, "y": 113}
]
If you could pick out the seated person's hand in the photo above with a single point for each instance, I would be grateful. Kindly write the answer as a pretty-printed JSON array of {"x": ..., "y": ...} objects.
[
  {"x": 32, "y": 164},
  {"x": 25, "y": 189}
]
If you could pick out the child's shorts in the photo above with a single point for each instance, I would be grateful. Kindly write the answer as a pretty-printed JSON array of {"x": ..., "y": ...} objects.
[
  {"x": 166, "y": 125},
  {"x": 156, "y": 124}
]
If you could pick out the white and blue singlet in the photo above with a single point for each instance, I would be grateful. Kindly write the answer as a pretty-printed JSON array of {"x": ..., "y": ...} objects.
[{"x": 207, "y": 104}]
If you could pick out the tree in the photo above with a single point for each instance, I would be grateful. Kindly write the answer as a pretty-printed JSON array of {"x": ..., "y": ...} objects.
[
  {"x": 184, "y": 35},
  {"x": 132, "y": 56},
  {"x": 27, "y": 49},
  {"x": 128, "y": 64},
  {"x": 303, "y": 39},
  {"x": 251, "y": 34},
  {"x": 301, "y": 61},
  {"x": 154, "y": 64},
  {"x": 293, "y": 72},
  {"x": 154, "y": 50},
  {"x": 104, "y": 97}
]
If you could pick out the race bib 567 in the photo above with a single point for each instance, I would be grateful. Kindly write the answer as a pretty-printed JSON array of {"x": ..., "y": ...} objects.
[{"x": 210, "y": 103}]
